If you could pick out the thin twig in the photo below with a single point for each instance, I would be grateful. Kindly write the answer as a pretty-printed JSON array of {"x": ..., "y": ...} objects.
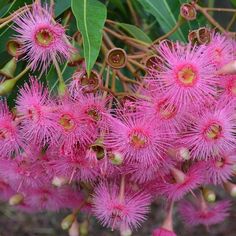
[
  {"x": 133, "y": 12},
  {"x": 232, "y": 21},
  {"x": 209, "y": 17},
  {"x": 220, "y": 9},
  {"x": 142, "y": 67},
  {"x": 126, "y": 38},
  {"x": 168, "y": 34}
]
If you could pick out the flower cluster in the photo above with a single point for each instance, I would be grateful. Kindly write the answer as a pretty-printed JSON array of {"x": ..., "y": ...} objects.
[{"x": 88, "y": 151}]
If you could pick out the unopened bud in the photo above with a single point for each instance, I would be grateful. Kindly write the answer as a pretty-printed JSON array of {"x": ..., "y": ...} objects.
[
  {"x": 84, "y": 228},
  {"x": 184, "y": 153},
  {"x": 116, "y": 158},
  {"x": 126, "y": 232},
  {"x": 7, "y": 86},
  {"x": 116, "y": 58},
  {"x": 178, "y": 175},
  {"x": 209, "y": 195},
  {"x": 74, "y": 229},
  {"x": 230, "y": 188},
  {"x": 13, "y": 48},
  {"x": 61, "y": 88},
  {"x": 59, "y": 181},
  {"x": 16, "y": 199},
  {"x": 188, "y": 11},
  {"x": 9, "y": 69},
  {"x": 180, "y": 154},
  {"x": 68, "y": 221}
]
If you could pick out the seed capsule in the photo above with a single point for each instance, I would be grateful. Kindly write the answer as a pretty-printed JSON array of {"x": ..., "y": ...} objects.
[
  {"x": 116, "y": 58},
  {"x": 188, "y": 11}
]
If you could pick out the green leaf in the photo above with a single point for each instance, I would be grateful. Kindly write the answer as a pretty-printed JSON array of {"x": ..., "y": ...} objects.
[
  {"x": 90, "y": 16},
  {"x": 135, "y": 32},
  {"x": 51, "y": 79},
  {"x": 233, "y": 2},
  {"x": 61, "y": 6},
  {"x": 164, "y": 15},
  {"x": 4, "y": 5},
  {"x": 16, "y": 4}
]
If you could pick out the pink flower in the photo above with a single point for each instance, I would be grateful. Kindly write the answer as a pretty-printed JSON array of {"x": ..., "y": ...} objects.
[
  {"x": 220, "y": 169},
  {"x": 36, "y": 113},
  {"x": 223, "y": 49},
  {"x": 75, "y": 167},
  {"x": 71, "y": 128},
  {"x": 149, "y": 172},
  {"x": 162, "y": 111},
  {"x": 187, "y": 74},
  {"x": 94, "y": 109},
  {"x": 22, "y": 173},
  {"x": 46, "y": 198},
  {"x": 178, "y": 183},
  {"x": 138, "y": 140},
  {"x": 9, "y": 132},
  {"x": 199, "y": 212},
  {"x": 42, "y": 39},
  {"x": 228, "y": 84},
  {"x": 116, "y": 211},
  {"x": 211, "y": 132}
]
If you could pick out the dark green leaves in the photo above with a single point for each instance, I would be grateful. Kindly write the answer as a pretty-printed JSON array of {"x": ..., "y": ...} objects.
[
  {"x": 163, "y": 13},
  {"x": 90, "y": 16}
]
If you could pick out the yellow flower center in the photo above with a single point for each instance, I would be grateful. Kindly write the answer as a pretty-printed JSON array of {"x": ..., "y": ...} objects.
[
  {"x": 67, "y": 122},
  {"x": 187, "y": 75},
  {"x": 94, "y": 114},
  {"x": 44, "y": 37},
  {"x": 213, "y": 131},
  {"x": 138, "y": 139}
]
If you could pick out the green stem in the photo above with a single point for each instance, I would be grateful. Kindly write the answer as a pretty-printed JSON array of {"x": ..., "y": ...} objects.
[{"x": 22, "y": 73}]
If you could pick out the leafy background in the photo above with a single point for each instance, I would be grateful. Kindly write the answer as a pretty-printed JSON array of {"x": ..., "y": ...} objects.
[{"x": 155, "y": 17}]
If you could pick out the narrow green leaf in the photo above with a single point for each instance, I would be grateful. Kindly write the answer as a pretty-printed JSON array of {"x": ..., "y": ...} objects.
[
  {"x": 61, "y": 6},
  {"x": 161, "y": 10},
  {"x": 15, "y": 5},
  {"x": 4, "y": 5},
  {"x": 135, "y": 32},
  {"x": 90, "y": 16}
]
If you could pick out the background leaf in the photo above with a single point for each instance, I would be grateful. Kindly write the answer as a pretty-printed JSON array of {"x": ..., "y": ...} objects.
[
  {"x": 233, "y": 2},
  {"x": 61, "y": 6},
  {"x": 135, "y": 32},
  {"x": 163, "y": 13},
  {"x": 90, "y": 16}
]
